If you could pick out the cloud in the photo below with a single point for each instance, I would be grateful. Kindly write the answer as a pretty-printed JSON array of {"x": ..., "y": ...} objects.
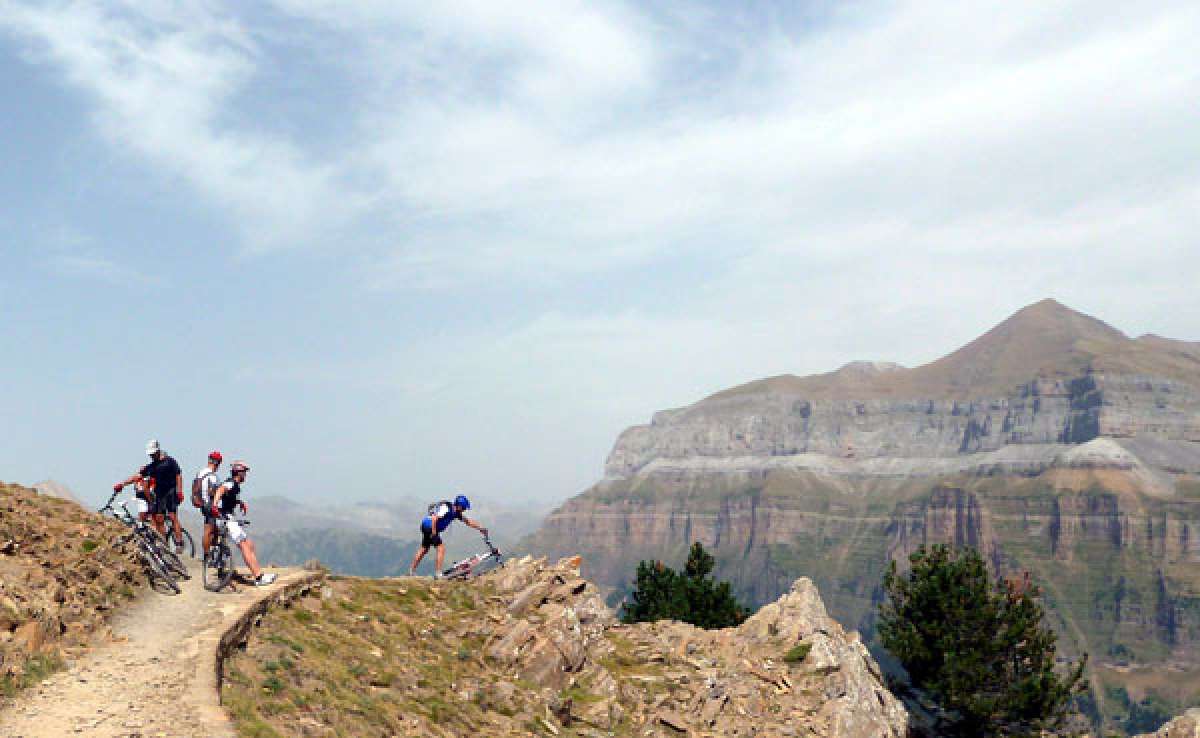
[
  {"x": 162, "y": 77},
  {"x": 522, "y": 141}
]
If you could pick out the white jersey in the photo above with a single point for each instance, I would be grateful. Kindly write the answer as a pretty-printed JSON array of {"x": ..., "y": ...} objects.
[{"x": 209, "y": 481}]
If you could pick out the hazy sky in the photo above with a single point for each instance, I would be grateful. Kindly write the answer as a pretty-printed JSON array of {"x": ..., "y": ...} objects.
[{"x": 383, "y": 248}]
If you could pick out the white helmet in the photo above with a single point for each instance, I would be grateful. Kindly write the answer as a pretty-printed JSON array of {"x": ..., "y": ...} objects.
[{"x": 152, "y": 447}]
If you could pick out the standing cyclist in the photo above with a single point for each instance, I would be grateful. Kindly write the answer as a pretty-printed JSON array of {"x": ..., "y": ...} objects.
[
  {"x": 226, "y": 499},
  {"x": 204, "y": 486},
  {"x": 168, "y": 489},
  {"x": 443, "y": 514}
]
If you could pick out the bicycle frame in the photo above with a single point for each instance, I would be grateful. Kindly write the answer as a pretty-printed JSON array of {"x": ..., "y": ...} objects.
[{"x": 466, "y": 568}]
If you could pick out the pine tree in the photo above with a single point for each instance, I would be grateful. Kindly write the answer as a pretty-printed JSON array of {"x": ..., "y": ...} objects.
[
  {"x": 661, "y": 593},
  {"x": 977, "y": 647}
]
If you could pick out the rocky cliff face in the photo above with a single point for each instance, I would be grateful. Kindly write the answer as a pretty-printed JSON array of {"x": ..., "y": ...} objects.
[
  {"x": 531, "y": 649},
  {"x": 1054, "y": 443}
]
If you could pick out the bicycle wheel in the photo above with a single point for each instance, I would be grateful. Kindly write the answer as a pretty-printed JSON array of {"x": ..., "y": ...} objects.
[
  {"x": 158, "y": 569},
  {"x": 218, "y": 567},
  {"x": 188, "y": 548}
]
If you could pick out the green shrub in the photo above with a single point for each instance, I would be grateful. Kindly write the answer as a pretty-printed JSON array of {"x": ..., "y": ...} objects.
[
  {"x": 692, "y": 596},
  {"x": 976, "y": 646},
  {"x": 797, "y": 653}
]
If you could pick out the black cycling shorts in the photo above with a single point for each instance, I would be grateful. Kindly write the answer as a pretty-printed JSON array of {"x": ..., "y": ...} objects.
[
  {"x": 429, "y": 538},
  {"x": 165, "y": 503}
]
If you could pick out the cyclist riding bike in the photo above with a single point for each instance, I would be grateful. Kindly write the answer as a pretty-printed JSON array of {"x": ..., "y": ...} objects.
[
  {"x": 226, "y": 499},
  {"x": 167, "y": 489},
  {"x": 440, "y": 516}
]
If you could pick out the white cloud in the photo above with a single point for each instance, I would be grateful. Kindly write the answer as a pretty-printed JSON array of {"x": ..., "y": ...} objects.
[
  {"x": 162, "y": 77},
  {"x": 522, "y": 140}
]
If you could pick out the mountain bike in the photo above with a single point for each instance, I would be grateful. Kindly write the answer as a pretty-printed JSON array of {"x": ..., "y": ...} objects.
[
  {"x": 188, "y": 547},
  {"x": 470, "y": 567},
  {"x": 218, "y": 560},
  {"x": 162, "y": 564}
]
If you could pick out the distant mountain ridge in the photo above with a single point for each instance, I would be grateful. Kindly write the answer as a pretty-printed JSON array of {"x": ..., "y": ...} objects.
[{"x": 1053, "y": 442}]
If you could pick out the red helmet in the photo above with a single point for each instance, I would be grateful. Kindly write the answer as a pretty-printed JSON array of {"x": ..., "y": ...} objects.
[{"x": 215, "y": 456}]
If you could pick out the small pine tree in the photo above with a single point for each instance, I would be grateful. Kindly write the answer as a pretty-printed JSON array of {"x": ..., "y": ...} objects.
[
  {"x": 977, "y": 647},
  {"x": 661, "y": 593}
]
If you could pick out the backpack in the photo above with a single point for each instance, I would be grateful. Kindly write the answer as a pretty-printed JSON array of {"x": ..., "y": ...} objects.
[
  {"x": 198, "y": 488},
  {"x": 433, "y": 506}
]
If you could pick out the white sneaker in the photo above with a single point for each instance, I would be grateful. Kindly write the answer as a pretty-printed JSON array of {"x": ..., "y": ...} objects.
[
  {"x": 437, "y": 575},
  {"x": 264, "y": 579}
]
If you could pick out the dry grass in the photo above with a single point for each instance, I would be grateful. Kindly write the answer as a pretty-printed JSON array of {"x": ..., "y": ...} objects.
[{"x": 371, "y": 658}]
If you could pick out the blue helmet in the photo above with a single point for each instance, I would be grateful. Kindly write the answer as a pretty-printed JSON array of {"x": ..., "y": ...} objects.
[{"x": 462, "y": 502}]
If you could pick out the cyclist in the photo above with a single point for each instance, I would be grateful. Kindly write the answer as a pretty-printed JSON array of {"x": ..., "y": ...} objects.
[
  {"x": 440, "y": 517},
  {"x": 209, "y": 481},
  {"x": 167, "y": 489},
  {"x": 226, "y": 499}
]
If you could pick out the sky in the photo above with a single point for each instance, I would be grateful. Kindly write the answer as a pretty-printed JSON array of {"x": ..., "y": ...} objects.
[{"x": 385, "y": 249}]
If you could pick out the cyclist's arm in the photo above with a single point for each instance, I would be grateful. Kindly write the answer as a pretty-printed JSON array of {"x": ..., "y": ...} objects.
[
  {"x": 121, "y": 485},
  {"x": 474, "y": 525},
  {"x": 179, "y": 486}
]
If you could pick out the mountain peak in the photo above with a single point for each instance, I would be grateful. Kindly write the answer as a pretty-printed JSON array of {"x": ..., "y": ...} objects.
[
  {"x": 1046, "y": 338},
  {"x": 1051, "y": 315}
]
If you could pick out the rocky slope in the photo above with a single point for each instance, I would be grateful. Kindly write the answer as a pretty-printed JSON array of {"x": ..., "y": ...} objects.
[
  {"x": 1053, "y": 442},
  {"x": 61, "y": 578},
  {"x": 531, "y": 649}
]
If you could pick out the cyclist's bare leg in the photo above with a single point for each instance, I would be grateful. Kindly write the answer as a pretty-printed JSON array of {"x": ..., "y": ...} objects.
[
  {"x": 251, "y": 557},
  {"x": 441, "y": 556},
  {"x": 421, "y": 551},
  {"x": 178, "y": 529},
  {"x": 206, "y": 540},
  {"x": 160, "y": 525}
]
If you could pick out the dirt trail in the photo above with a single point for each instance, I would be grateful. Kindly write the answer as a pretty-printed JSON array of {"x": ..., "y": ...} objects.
[{"x": 154, "y": 679}]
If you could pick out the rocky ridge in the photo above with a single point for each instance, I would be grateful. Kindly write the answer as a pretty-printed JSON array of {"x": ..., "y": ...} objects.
[
  {"x": 531, "y": 649},
  {"x": 62, "y": 576}
]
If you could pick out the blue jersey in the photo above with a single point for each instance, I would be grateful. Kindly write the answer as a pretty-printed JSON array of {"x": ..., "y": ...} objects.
[{"x": 446, "y": 516}]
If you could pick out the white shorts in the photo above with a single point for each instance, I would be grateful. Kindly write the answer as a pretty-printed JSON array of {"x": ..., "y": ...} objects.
[{"x": 236, "y": 534}]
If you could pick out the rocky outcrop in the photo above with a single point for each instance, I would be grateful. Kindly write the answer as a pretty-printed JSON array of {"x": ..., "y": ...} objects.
[
  {"x": 1186, "y": 725},
  {"x": 1054, "y": 443},
  {"x": 531, "y": 649},
  {"x": 62, "y": 575},
  {"x": 724, "y": 682}
]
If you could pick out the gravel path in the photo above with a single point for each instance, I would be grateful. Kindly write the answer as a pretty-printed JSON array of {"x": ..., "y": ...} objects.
[{"x": 151, "y": 680}]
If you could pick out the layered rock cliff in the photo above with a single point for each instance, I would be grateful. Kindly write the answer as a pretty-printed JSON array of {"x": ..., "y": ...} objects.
[{"x": 1054, "y": 443}]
